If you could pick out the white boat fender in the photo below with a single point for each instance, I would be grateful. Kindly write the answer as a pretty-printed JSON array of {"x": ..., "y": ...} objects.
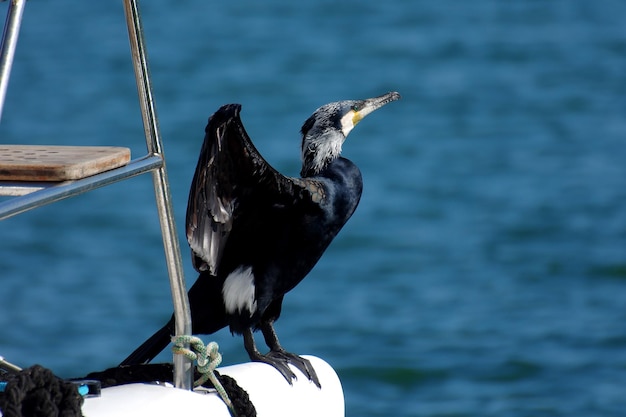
[{"x": 268, "y": 390}]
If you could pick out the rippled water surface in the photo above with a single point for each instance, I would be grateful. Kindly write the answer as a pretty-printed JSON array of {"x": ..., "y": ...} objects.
[{"x": 484, "y": 272}]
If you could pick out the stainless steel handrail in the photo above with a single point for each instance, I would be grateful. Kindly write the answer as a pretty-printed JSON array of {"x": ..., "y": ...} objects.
[
  {"x": 9, "y": 43},
  {"x": 63, "y": 190},
  {"x": 153, "y": 162},
  {"x": 183, "y": 370}
]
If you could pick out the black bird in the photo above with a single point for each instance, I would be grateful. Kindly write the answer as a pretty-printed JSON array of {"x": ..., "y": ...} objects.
[{"x": 255, "y": 234}]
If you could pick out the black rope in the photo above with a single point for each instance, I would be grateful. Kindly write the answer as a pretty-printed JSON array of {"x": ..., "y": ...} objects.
[
  {"x": 163, "y": 372},
  {"x": 238, "y": 396},
  {"x": 37, "y": 392}
]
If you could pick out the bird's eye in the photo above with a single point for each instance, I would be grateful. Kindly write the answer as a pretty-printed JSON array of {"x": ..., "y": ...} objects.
[{"x": 355, "y": 108}]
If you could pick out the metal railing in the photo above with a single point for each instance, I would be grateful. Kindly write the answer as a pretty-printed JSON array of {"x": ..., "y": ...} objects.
[{"x": 153, "y": 162}]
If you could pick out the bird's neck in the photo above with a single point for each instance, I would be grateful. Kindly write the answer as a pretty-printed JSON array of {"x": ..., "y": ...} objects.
[
  {"x": 343, "y": 186},
  {"x": 318, "y": 153}
]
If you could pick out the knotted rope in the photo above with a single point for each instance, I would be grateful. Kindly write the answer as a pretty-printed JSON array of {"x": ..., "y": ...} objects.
[{"x": 208, "y": 358}]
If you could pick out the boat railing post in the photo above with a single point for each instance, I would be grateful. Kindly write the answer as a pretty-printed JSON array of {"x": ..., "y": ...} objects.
[
  {"x": 183, "y": 369},
  {"x": 9, "y": 43}
]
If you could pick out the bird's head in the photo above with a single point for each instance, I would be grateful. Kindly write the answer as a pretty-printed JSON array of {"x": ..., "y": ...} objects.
[{"x": 325, "y": 131}]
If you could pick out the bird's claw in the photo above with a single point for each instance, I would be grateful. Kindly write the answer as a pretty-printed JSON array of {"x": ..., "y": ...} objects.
[{"x": 281, "y": 359}]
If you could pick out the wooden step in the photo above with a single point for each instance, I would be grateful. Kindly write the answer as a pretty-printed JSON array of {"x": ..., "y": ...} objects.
[{"x": 58, "y": 163}]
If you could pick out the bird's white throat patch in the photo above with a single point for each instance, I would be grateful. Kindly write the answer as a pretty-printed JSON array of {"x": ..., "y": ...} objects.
[
  {"x": 348, "y": 122},
  {"x": 239, "y": 291}
]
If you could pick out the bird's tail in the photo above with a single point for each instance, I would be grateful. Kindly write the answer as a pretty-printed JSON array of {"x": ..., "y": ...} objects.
[{"x": 151, "y": 347}]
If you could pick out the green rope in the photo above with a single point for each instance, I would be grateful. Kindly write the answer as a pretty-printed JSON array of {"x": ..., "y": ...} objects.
[{"x": 208, "y": 359}]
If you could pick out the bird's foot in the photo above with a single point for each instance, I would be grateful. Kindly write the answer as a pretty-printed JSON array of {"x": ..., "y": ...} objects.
[{"x": 280, "y": 359}]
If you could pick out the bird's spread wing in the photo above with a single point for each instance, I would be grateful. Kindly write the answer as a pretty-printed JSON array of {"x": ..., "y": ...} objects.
[{"x": 230, "y": 176}]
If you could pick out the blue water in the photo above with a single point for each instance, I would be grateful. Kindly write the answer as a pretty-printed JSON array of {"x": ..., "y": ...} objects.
[{"x": 484, "y": 272}]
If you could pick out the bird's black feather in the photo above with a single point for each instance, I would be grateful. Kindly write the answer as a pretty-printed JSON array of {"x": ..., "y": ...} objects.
[{"x": 232, "y": 181}]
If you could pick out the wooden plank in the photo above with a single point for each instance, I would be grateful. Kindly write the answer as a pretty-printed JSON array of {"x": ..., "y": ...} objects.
[{"x": 58, "y": 163}]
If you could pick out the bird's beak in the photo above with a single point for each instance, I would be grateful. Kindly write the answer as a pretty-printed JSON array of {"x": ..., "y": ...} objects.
[{"x": 367, "y": 106}]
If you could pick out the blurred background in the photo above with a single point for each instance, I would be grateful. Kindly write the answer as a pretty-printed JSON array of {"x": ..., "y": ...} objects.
[{"x": 484, "y": 272}]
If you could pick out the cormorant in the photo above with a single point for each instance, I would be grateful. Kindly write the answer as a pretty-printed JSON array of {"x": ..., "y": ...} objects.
[{"x": 255, "y": 234}]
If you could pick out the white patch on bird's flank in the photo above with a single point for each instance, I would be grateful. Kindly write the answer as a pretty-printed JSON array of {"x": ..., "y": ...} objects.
[
  {"x": 348, "y": 122},
  {"x": 239, "y": 291}
]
